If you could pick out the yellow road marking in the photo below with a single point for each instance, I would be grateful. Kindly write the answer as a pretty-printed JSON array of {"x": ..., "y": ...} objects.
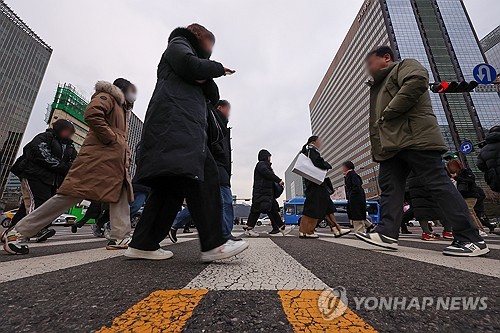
[
  {"x": 302, "y": 311},
  {"x": 162, "y": 311}
]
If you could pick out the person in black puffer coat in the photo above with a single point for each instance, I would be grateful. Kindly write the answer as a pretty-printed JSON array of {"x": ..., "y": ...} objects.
[
  {"x": 45, "y": 162},
  {"x": 488, "y": 160},
  {"x": 356, "y": 198},
  {"x": 175, "y": 159},
  {"x": 466, "y": 185},
  {"x": 266, "y": 188},
  {"x": 425, "y": 209}
]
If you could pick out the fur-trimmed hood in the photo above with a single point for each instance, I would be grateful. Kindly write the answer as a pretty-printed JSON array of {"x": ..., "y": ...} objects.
[
  {"x": 191, "y": 38},
  {"x": 110, "y": 88}
]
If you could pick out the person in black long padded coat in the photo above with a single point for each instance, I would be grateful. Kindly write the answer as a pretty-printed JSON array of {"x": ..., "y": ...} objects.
[
  {"x": 175, "y": 160},
  {"x": 267, "y": 187},
  {"x": 318, "y": 204},
  {"x": 356, "y": 198}
]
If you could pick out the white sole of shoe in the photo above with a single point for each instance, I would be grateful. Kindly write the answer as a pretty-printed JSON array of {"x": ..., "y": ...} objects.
[
  {"x": 116, "y": 247},
  {"x": 219, "y": 256},
  {"x": 474, "y": 254},
  {"x": 148, "y": 255},
  {"x": 340, "y": 235},
  {"x": 379, "y": 244}
]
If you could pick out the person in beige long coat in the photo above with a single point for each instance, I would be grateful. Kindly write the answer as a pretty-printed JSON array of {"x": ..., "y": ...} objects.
[{"x": 99, "y": 173}]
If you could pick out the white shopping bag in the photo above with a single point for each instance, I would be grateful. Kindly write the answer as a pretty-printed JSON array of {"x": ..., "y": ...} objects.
[{"x": 305, "y": 168}]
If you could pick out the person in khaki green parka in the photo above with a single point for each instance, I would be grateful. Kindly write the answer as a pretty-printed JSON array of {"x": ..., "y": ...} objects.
[
  {"x": 405, "y": 137},
  {"x": 99, "y": 173}
]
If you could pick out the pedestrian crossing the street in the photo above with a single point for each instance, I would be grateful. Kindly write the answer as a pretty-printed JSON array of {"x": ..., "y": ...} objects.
[{"x": 282, "y": 279}]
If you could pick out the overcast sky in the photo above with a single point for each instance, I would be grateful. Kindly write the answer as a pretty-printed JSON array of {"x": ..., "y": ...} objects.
[{"x": 279, "y": 48}]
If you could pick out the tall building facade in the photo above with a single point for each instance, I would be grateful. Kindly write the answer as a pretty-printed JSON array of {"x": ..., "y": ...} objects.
[
  {"x": 491, "y": 48},
  {"x": 439, "y": 34},
  {"x": 134, "y": 137},
  {"x": 23, "y": 60},
  {"x": 69, "y": 104},
  {"x": 294, "y": 184}
]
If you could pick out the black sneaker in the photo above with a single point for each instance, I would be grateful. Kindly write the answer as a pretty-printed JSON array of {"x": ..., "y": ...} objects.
[
  {"x": 118, "y": 244},
  {"x": 44, "y": 234},
  {"x": 187, "y": 231},
  {"x": 466, "y": 249},
  {"x": 172, "y": 234},
  {"x": 274, "y": 232},
  {"x": 378, "y": 239}
]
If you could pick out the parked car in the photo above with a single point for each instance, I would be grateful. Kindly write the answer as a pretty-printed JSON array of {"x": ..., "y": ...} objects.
[
  {"x": 264, "y": 221},
  {"x": 135, "y": 219},
  {"x": 65, "y": 220},
  {"x": 6, "y": 217}
]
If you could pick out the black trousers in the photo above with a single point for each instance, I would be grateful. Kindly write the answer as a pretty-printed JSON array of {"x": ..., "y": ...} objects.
[
  {"x": 274, "y": 216},
  {"x": 429, "y": 166},
  {"x": 37, "y": 193},
  {"x": 165, "y": 200}
]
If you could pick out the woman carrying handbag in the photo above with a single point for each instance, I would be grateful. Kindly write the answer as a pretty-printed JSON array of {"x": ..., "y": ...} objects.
[{"x": 318, "y": 204}]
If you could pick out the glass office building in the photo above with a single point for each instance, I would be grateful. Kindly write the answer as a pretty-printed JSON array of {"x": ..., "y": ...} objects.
[
  {"x": 491, "y": 47},
  {"x": 439, "y": 34},
  {"x": 134, "y": 137},
  {"x": 23, "y": 60}
]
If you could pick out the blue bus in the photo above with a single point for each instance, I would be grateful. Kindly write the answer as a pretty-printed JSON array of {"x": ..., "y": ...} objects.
[{"x": 292, "y": 211}]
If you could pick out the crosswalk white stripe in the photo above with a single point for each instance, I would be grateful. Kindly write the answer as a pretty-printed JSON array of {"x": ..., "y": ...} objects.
[
  {"x": 478, "y": 265},
  {"x": 18, "y": 269},
  {"x": 263, "y": 266},
  {"x": 67, "y": 242},
  {"x": 448, "y": 242}
]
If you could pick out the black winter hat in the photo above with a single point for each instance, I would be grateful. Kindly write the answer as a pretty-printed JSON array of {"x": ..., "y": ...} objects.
[
  {"x": 264, "y": 155},
  {"x": 63, "y": 124}
]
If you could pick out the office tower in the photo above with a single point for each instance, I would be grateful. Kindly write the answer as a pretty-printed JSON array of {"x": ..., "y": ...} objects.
[
  {"x": 23, "y": 60},
  {"x": 440, "y": 35}
]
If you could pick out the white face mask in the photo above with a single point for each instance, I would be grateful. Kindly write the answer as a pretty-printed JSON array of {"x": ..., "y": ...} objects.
[{"x": 131, "y": 97}]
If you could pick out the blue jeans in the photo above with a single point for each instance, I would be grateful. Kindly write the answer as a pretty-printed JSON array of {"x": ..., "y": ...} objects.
[
  {"x": 182, "y": 219},
  {"x": 139, "y": 200},
  {"x": 227, "y": 210}
]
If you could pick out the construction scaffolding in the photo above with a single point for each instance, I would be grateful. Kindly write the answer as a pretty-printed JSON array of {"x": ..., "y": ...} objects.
[{"x": 69, "y": 100}]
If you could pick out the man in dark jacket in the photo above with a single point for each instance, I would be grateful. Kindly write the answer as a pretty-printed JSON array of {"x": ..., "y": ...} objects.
[
  {"x": 488, "y": 160},
  {"x": 405, "y": 137},
  {"x": 42, "y": 168},
  {"x": 222, "y": 155},
  {"x": 265, "y": 183}
]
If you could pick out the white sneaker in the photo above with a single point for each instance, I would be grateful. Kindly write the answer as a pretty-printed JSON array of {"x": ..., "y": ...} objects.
[
  {"x": 287, "y": 229},
  {"x": 226, "y": 250},
  {"x": 482, "y": 233},
  {"x": 159, "y": 254},
  {"x": 304, "y": 235},
  {"x": 339, "y": 233},
  {"x": 251, "y": 233}
]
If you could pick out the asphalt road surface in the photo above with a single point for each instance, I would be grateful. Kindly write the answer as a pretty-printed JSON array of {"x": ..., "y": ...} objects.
[{"x": 72, "y": 284}]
